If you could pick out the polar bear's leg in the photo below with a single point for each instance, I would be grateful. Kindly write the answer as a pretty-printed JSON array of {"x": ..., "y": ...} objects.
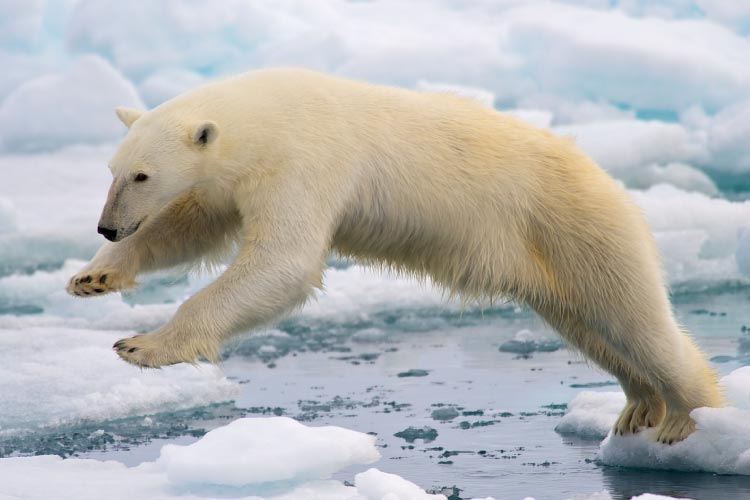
[
  {"x": 110, "y": 270},
  {"x": 644, "y": 406},
  {"x": 280, "y": 263},
  {"x": 263, "y": 283},
  {"x": 183, "y": 232},
  {"x": 616, "y": 310},
  {"x": 664, "y": 358},
  {"x": 652, "y": 345}
]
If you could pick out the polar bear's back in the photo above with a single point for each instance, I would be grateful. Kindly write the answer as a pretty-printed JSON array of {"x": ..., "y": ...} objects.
[{"x": 436, "y": 183}]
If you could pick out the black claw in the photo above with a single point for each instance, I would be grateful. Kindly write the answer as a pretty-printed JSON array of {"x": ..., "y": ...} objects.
[
  {"x": 77, "y": 281},
  {"x": 98, "y": 290},
  {"x": 103, "y": 278},
  {"x": 132, "y": 349},
  {"x": 86, "y": 279},
  {"x": 118, "y": 345},
  {"x": 86, "y": 293}
]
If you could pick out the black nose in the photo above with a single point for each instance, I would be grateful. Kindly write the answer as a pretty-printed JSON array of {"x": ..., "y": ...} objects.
[{"x": 110, "y": 234}]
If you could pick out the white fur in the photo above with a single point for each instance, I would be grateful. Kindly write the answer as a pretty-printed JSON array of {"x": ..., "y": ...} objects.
[{"x": 300, "y": 163}]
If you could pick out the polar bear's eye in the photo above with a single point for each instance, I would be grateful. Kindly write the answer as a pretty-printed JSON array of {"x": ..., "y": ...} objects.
[{"x": 140, "y": 177}]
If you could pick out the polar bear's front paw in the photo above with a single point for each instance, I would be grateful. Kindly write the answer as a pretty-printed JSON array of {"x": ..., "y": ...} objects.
[
  {"x": 146, "y": 351},
  {"x": 93, "y": 282}
]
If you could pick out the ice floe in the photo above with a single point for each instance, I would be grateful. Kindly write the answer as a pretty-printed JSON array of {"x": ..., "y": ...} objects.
[
  {"x": 721, "y": 443},
  {"x": 249, "y": 459}
]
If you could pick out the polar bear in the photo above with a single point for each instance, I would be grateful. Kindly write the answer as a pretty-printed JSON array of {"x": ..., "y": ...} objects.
[{"x": 291, "y": 164}]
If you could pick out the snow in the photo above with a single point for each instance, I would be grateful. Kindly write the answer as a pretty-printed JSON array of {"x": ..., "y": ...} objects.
[
  {"x": 252, "y": 451},
  {"x": 481, "y": 95},
  {"x": 679, "y": 175},
  {"x": 59, "y": 109},
  {"x": 249, "y": 459},
  {"x": 70, "y": 375},
  {"x": 537, "y": 117},
  {"x": 163, "y": 85},
  {"x": 577, "y": 52},
  {"x": 721, "y": 443},
  {"x": 591, "y": 414},
  {"x": 728, "y": 131},
  {"x": 736, "y": 387},
  {"x": 376, "y": 485},
  {"x": 252, "y": 458},
  {"x": 618, "y": 145},
  {"x": 666, "y": 112},
  {"x": 699, "y": 236},
  {"x": 574, "y": 63}
]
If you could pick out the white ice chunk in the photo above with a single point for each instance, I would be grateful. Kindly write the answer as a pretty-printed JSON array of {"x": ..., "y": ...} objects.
[
  {"x": 7, "y": 216},
  {"x": 61, "y": 109},
  {"x": 727, "y": 134},
  {"x": 729, "y": 12},
  {"x": 50, "y": 376},
  {"x": 736, "y": 387},
  {"x": 697, "y": 234},
  {"x": 580, "y": 52},
  {"x": 376, "y": 485},
  {"x": 478, "y": 94},
  {"x": 251, "y": 451},
  {"x": 21, "y": 22},
  {"x": 44, "y": 477},
  {"x": 166, "y": 84},
  {"x": 591, "y": 414},
  {"x": 537, "y": 117},
  {"x": 721, "y": 444},
  {"x": 250, "y": 459},
  {"x": 567, "y": 111},
  {"x": 679, "y": 175},
  {"x": 622, "y": 144},
  {"x": 358, "y": 290}
]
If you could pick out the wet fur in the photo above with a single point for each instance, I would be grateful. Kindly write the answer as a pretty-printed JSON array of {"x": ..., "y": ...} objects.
[{"x": 426, "y": 184}]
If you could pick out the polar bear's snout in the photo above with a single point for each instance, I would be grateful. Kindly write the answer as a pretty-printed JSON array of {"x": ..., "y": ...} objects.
[{"x": 110, "y": 234}]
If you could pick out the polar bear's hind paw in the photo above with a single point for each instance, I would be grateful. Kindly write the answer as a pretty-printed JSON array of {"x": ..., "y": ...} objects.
[
  {"x": 638, "y": 414},
  {"x": 675, "y": 428}
]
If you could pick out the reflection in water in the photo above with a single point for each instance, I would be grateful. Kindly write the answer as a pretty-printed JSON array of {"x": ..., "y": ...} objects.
[{"x": 623, "y": 484}]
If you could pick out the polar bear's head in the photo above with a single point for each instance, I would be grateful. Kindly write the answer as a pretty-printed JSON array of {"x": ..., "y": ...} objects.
[{"x": 160, "y": 158}]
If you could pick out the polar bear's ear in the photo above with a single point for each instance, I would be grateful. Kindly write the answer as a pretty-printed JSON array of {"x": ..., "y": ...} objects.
[
  {"x": 205, "y": 133},
  {"x": 128, "y": 116}
]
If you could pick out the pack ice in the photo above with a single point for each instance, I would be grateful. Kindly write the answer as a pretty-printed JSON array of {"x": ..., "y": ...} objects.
[{"x": 249, "y": 459}]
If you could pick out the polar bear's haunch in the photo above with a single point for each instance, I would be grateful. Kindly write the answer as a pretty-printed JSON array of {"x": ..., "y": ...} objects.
[{"x": 291, "y": 164}]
